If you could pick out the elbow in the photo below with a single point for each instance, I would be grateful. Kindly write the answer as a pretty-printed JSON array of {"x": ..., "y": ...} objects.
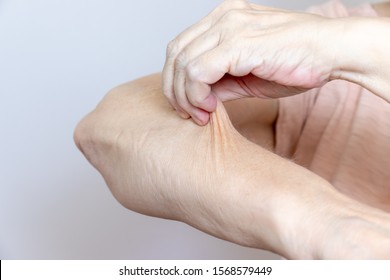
[
  {"x": 86, "y": 140},
  {"x": 80, "y": 136}
]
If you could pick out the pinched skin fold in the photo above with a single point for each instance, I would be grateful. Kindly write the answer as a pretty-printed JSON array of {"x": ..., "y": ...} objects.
[
  {"x": 210, "y": 177},
  {"x": 158, "y": 164}
]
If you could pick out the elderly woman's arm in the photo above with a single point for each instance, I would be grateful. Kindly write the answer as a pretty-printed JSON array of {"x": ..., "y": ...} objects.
[
  {"x": 363, "y": 56},
  {"x": 214, "y": 179}
]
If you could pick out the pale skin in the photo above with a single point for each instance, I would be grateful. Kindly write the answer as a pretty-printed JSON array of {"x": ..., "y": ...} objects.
[
  {"x": 242, "y": 50},
  {"x": 158, "y": 164}
]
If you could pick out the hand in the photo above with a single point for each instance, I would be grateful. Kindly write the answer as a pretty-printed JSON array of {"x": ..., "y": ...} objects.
[{"x": 241, "y": 50}]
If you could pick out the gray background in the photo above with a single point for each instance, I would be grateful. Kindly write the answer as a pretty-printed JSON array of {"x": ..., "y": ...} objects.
[{"x": 57, "y": 60}]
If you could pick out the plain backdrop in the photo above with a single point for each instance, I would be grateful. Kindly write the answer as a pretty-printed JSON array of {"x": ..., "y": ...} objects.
[{"x": 57, "y": 60}]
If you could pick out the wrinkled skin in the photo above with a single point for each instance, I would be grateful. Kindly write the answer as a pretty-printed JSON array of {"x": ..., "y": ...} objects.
[
  {"x": 242, "y": 49},
  {"x": 216, "y": 180}
]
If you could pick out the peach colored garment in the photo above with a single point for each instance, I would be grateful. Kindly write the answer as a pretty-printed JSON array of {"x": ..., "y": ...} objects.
[{"x": 340, "y": 131}]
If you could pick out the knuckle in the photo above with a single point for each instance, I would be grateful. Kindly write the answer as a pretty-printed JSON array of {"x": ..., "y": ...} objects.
[
  {"x": 181, "y": 60},
  {"x": 231, "y": 16},
  {"x": 193, "y": 76},
  {"x": 234, "y": 4},
  {"x": 172, "y": 48},
  {"x": 236, "y": 17},
  {"x": 192, "y": 72}
]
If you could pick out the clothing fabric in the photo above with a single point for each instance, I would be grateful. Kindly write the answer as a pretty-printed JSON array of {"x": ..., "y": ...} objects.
[{"x": 340, "y": 131}]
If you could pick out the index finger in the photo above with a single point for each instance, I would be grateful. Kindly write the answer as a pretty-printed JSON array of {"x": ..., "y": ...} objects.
[{"x": 186, "y": 37}]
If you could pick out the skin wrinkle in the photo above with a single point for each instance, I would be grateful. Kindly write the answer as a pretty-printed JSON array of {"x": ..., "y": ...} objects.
[
  {"x": 223, "y": 145},
  {"x": 223, "y": 189},
  {"x": 210, "y": 177},
  {"x": 216, "y": 180}
]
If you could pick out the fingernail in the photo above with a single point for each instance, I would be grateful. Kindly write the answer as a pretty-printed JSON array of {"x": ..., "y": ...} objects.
[{"x": 201, "y": 117}]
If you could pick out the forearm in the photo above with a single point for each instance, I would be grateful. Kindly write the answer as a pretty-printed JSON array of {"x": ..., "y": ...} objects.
[
  {"x": 284, "y": 208},
  {"x": 214, "y": 179},
  {"x": 261, "y": 200},
  {"x": 271, "y": 203},
  {"x": 363, "y": 53}
]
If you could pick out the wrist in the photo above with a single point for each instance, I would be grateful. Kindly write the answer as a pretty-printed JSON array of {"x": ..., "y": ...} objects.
[{"x": 361, "y": 54}]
